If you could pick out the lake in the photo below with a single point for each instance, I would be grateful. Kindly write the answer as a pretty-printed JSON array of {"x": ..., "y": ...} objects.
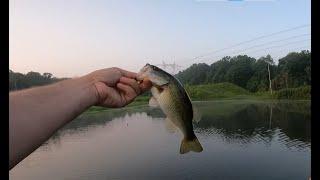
[{"x": 242, "y": 139}]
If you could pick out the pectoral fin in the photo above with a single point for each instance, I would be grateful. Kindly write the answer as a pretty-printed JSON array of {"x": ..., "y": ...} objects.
[{"x": 153, "y": 102}]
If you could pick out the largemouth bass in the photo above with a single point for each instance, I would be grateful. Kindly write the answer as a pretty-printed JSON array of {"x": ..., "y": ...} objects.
[{"x": 169, "y": 94}]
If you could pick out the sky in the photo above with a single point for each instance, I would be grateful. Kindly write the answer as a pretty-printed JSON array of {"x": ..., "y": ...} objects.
[{"x": 74, "y": 37}]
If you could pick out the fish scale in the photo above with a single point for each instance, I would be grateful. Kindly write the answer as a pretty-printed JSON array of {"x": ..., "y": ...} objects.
[
  {"x": 172, "y": 98},
  {"x": 172, "y": 109}
]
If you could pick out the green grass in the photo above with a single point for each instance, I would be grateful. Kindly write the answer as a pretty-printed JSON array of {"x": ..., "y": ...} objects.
[
  {"x": 140, "y": 100},
  {"x": 232, "y": 91},
  {"x": 303, "y": 92},
  {"x": 217, "y": 91},
  {"x": 226, "y": 91}
]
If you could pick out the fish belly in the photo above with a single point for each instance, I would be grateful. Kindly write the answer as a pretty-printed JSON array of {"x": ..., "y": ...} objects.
[{"x": 172, "y": 109}]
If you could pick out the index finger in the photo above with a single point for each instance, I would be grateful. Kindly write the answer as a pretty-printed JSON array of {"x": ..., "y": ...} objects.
[
  {"x": 128, "y": 74},
  {"x": 145, "y": 85}
]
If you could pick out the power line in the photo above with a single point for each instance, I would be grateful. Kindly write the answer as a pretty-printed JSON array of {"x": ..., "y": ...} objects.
[
  {"x": 270, "y": 42},
  {"x": 293, "y": 49},
  {"x": 282, "y": 45},
  {"x": 257, "y": 38},
  {"x": 239, "y": 52}
]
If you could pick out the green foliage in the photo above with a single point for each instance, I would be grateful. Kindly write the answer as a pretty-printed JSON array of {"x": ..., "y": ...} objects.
[
  {"x": 21, "y": 81},
  {"x": 188, "y": 76},
  {"x": 215, "y": 91},
  {"x": 229, "y": 91},
  {"x": 232, "y": 91},
  {"x": 259, "y": 81},
  {"x": 303, "y": 92},
  {"x": 218, "y": 70},
  {"x": 231, "y": 77},
  {"x": 240, "y": 70},
  {"x": 263, "y": 94},
  {"x": 293, "y": 70}
]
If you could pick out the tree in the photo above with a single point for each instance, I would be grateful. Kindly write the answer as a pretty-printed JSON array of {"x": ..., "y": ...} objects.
[
  {"x": 195, "y": 74},
  {"x": 269, "y": 62},
  {"x": 218, "y": 70},
  {"x": 241, "y": 70},
  {"x": 293, "y": 70},
  {"x": 47, "y": 75},
  {"x": 21, "y": 81},
  {"x": 295, "y": 65}
]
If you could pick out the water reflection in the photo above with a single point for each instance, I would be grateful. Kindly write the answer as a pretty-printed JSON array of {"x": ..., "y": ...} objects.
[
  {"x": 252, "y": 122},
  {"x": 241, "y": 140},
  {"x": 235, "y": 122},
  {"x": 87, "y": 121}
]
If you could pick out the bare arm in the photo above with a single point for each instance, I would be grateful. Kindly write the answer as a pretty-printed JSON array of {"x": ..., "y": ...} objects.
[{"x": 36, "y": 113}]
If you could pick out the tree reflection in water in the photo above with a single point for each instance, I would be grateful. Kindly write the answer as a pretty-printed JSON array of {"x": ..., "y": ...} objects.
[{"x": 241, "y": 122}]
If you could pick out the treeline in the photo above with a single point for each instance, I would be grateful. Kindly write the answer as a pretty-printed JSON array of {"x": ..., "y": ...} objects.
[
  {"x": 292, "y": 71},
  {"x": 21, "y": 81}
]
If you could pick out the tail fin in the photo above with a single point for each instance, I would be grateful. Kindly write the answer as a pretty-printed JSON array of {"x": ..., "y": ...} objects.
[{"x": 190, "y": 145}]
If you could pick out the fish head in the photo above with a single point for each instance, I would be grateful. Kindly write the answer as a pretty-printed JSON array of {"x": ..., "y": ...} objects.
[{"x": 154, "y": 74}]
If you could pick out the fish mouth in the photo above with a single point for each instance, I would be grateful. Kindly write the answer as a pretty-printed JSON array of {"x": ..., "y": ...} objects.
[
  {"x": 141, "y": 77},
  {"x": 143, "y": 74}
]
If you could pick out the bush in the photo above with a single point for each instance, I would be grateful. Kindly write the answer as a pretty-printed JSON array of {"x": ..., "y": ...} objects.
[{"x": 303, "y": 92}]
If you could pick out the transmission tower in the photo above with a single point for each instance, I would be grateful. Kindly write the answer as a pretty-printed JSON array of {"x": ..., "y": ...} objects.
[{"x": 170, "y": 68}]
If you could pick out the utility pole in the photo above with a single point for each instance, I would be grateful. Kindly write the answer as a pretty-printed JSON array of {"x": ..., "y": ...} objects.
[
  {"x": 269, "y": 61},
  {"x": 269, "y": 80},
  {"x": 287, "y": 83}
]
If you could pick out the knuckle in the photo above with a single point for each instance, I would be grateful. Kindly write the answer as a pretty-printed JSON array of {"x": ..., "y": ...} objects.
[{"x": 115, "y": 68}]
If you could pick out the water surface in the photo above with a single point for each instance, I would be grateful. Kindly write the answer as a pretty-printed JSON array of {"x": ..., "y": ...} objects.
[{"x": 241, "y": 140}]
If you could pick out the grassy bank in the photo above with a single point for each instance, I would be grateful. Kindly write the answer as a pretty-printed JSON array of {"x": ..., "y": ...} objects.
[
  {"x": 303, "y": 92},
  {"x": 232, "y": 91},
  {"x": 217, "y": 91},
  {"x": 227, "y": 91},
  {"x": 140, "y": 100}
]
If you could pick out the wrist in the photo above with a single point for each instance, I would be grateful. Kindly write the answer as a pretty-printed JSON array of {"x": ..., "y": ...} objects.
[{"x": 91, "y": 95}]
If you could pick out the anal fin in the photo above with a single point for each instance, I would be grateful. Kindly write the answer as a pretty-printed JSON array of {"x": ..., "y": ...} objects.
[
  {"x": 196, "y": 115},
  {"x": 170, "y": 127}
]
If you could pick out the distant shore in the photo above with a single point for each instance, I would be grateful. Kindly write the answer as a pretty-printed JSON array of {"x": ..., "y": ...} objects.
[{"x": 227, "y": 91}]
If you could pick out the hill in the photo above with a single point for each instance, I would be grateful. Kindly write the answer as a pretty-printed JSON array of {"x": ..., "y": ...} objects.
[{"x": 216, "y": 91}]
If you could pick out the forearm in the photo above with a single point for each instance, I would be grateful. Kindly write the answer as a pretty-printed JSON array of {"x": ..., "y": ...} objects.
[{"x": 35, "y": 114}]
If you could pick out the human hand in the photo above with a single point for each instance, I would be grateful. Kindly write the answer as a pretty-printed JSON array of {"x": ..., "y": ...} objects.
[{"x": 115, "y": 87}]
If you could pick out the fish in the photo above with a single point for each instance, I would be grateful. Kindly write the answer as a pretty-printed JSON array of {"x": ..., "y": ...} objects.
[{"x": 168, "y": 94}]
